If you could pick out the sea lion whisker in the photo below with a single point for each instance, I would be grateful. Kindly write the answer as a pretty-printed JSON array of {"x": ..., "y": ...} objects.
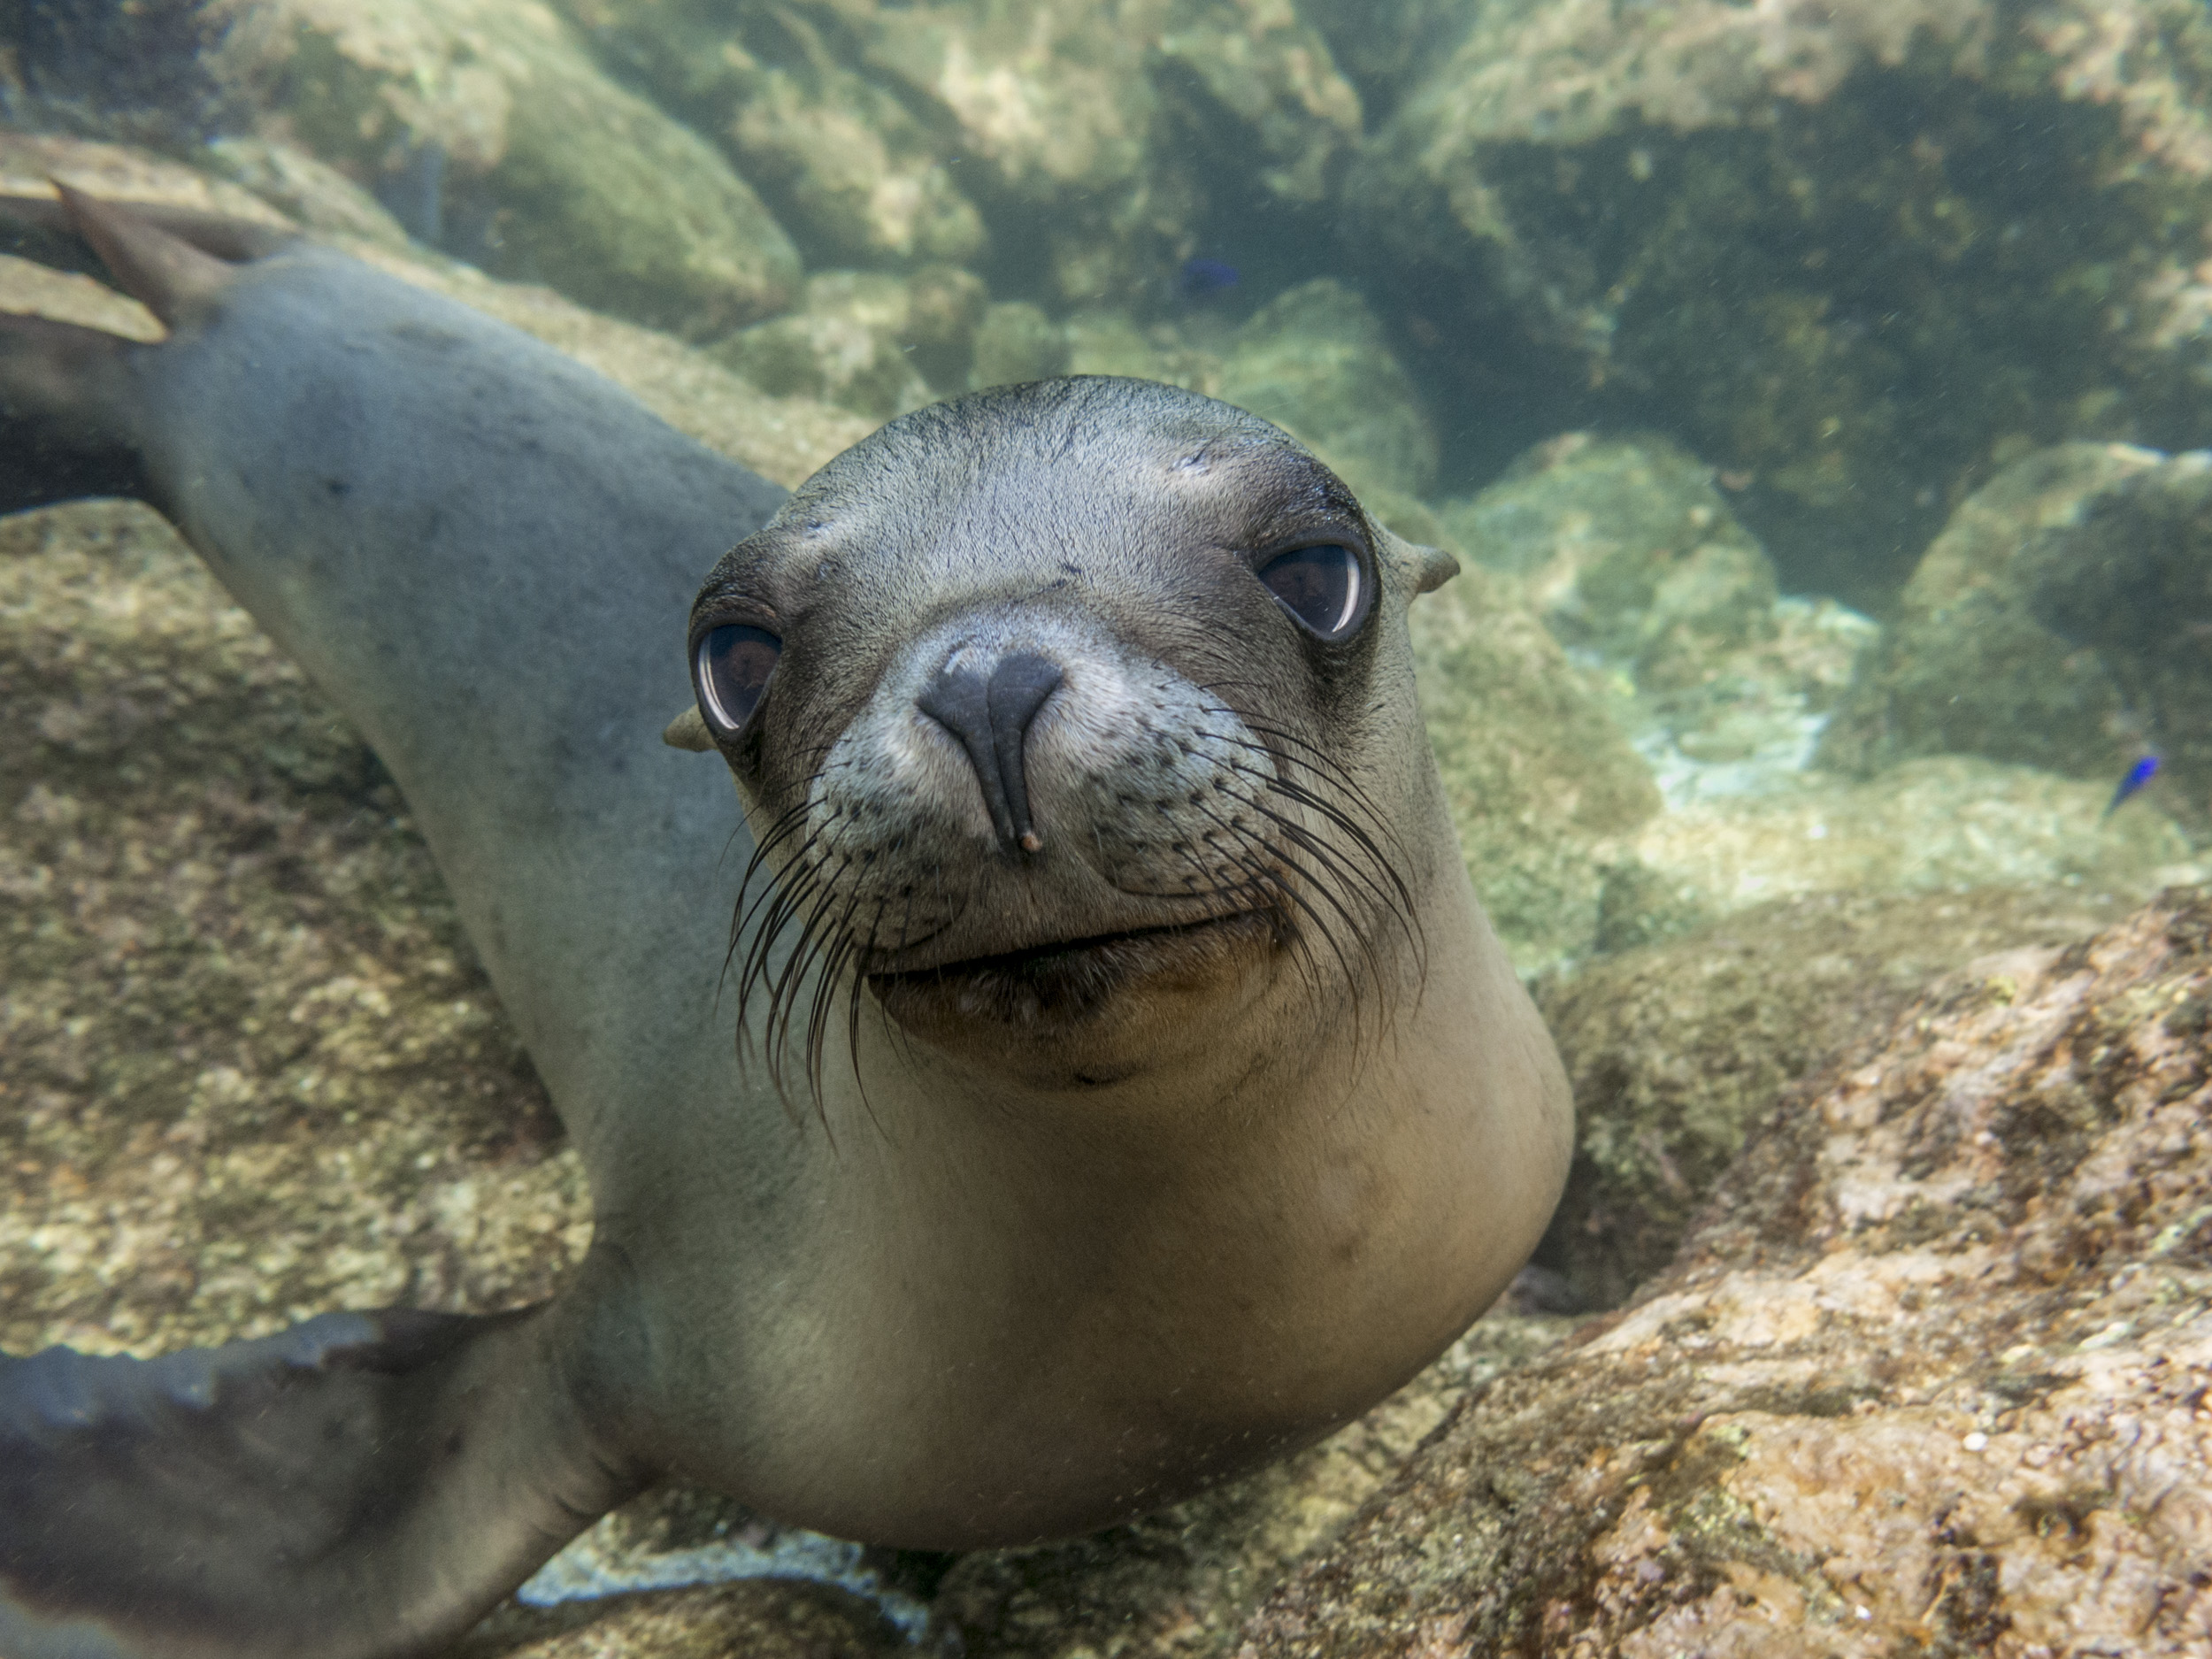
[
  {"x": 740, "y": 917},
  {"x": 1263, "y": 870},
  {"x": 1325, "y": 768},
  {"x": 1390, "y": 893},
  {"x": 1315, "y": 759},
  {"x": 1396, "y": 900},
  {"x": 1288, "y": 891},
  {"x": 805, "y": 959},
  {"x": 830, "y": 976}
]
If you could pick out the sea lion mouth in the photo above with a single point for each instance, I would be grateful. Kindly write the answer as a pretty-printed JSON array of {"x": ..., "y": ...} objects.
[{"x": 1069, "y": 981}]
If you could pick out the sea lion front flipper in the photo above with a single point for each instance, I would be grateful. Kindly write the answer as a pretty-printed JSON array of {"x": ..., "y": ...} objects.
[{"x": 360, "y": 1485}]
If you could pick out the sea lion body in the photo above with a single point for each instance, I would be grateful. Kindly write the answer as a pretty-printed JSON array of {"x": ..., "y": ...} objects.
[{"x": 1191, "y": 1129}]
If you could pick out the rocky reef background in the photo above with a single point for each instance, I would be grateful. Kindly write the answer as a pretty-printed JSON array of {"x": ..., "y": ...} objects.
[{"x": 1819, "y": 397}]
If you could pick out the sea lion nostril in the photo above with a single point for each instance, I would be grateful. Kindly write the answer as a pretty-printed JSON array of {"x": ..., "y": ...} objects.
[{"x": 991, "y": 717}]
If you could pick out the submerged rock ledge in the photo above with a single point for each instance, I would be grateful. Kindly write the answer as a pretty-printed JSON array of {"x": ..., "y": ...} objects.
[{"x": 1930, "y": 1375}]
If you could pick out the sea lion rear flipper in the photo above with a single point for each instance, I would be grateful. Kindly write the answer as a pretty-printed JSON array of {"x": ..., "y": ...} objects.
[
  {"x": 360, "y": 1485},
  {"x": 67, "y": 403}
]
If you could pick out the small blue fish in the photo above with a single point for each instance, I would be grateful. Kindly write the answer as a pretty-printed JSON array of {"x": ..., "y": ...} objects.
[
  {"x": 2138, "y": 774},
  {"x": 1204, "y": 279}
]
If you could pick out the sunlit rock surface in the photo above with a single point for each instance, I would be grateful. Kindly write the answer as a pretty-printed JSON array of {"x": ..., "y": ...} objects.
[
  {"x": 1677, "y": 1051},
  {"x": 1928, "y": 1376},
  {"x": 1930, "y": 825},
  {"x": 487, "y": 129},
  {"x": 877, "y": 344},
  {"x": 1315, "y": 361},
  {"x": 1543, "y": 786}
]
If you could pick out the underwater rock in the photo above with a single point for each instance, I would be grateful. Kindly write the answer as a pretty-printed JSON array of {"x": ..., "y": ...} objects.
[
  {"x": 1113, "y": 343},
  {"x": 490, "y": 131},
  {"x": 1016, "y": 341},
  {"x": 874, "y": 344},
  {"x": 1849, "y": 252},
  {"x": 1967, "y": 665},
  {"x": 307, "y": 191},
  {"x": 1677, "y": 1050},
  {"x": 1261, "y": 84},
  {"x": 1628, "y": 549},
  {"x": 1928, "y": 1375},
  {"x": 855, "y": 176},
  {"x": 1316, "y": 362},
  {"x": 1543, "y": 785},
  {"x": 250, "y": 1067},
  {"x": 1638, "y": 563},
  {"x": 2132, "y": 581},
  {"x": 1940, "y": 824},
  {"x": 759, "y": 1618}
]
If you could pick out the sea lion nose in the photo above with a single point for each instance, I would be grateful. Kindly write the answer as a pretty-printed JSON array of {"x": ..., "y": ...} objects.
[{"x": 990, "y": 715}]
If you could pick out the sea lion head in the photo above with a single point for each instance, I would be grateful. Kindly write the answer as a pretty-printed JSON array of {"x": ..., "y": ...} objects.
[{"x": 1075, "y": 721}]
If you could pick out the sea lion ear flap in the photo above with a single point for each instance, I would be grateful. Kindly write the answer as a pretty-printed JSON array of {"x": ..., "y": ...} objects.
[
  {"x": 689, "y": 730},
  {"x": 1427, "y": 568},
  {"x": 1434, "y": 567}
]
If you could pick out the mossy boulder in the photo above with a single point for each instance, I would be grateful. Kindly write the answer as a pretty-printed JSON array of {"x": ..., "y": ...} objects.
[
  {"x": 1016, "y": 342},
  {"x": 490, "y": 132},
  {"x": 1851, "y": 254},
  {"x": 1629, "y": 550},
  {"x": 1677, "y": 1050},
  {"x": 1074, "y": 147},
  {"x": 854, "y": 173},
  {"x": 1541, "y": 784},
  {"x": 1316, "y": 362},
  {"x": 1967, "y": 664},
  {"x": 869, "y": 341}
]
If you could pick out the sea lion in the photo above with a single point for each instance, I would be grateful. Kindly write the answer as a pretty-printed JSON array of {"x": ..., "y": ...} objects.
[{"x": 1125, "y": 1088}]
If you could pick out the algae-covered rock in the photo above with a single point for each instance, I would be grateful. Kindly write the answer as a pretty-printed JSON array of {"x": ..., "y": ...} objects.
[
  {"x": 1937, "y": 825},
  {"x": 252, "y": 1067},
  {"x": 1677, "y": 1050},
  {"x": 851, "y": 170},
  {"x": 1967, "y": 666},
  {"x": 1016, "y": 341},
  {"x": 489, "y": 130},
  {"x": 1928, "y": 1376},
  {"x": 1113, "y": 343},
  {"x": 2131, "y": 580},
  {"x": 1315, "y": 362},
  {"x": 1541, "y": 784},
  {"x": 867, "y": 341},
  {"x": 1628, "y": 549},
  {"x": 1849, "y": 252},
  {"x": 1263, "y": 86}
]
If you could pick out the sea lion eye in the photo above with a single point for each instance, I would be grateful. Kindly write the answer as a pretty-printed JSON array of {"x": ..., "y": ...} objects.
[
  {"x": 731, "y": 668},
  {"x": 1325, "y": 587}
]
